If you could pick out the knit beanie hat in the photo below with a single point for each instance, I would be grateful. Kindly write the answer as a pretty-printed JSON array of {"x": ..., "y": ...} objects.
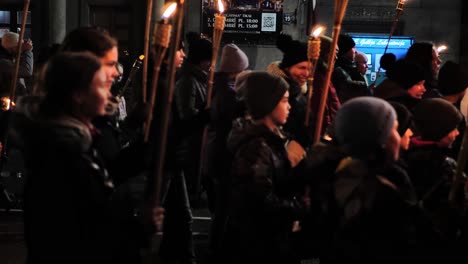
[
  {"x": 453, "y": 78},
  {"x": 199, "y": 49},
  {"x": 435, "y": 118},
  {"x": 363, "y": 124},
  {"x": 345, "y": 43},
  {"x": 10, "y": 40},
  {"x": 263, "y": 91},
  {"x": 406, "y": 73},
  {"x": 294, "y": 51},
  {"x": 387, "y": 61},
  {"x": 404, "y": 116},
  {"x": 233, "y": 59}
]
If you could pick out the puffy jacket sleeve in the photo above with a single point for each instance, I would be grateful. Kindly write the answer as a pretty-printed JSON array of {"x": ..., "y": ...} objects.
[{"x": 255, "y": 186}]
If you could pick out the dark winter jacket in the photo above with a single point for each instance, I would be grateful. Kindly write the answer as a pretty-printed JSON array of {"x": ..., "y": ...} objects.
[
  {"x": 358, "y": 211},
  {"x": 432, "y": 171},
  {"x": 349, "y": 83},
  {"x": 405, "y": 99},
  {"x": 388, "y": 89},
  {"x": 262, "y": 197},
  {"x": 190, "y": 115},
  {"x": 225, "y": 109},
  {"x": 7, "y": 66},
  {"x": 68, "y": 198},
  {"x": 331, "y": 106}
]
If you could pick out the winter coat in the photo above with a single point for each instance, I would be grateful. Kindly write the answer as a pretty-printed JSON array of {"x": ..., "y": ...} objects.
[
  {"x": 388, "y": 89},
  {"x": 225, "y": 109},
  {"x": 262, "y": 205},
  {"x": 332, "y": 104},
  {"x": 7, "y": 66},
  {"x": 349, "y": 83},
  {"x": 432, "y": 171},
  {"x": 405, "y": 99},
  {"x": 190, "y": 116},
  {"x": 69, "y": 199},
  {"x": 358, "y": 212}
]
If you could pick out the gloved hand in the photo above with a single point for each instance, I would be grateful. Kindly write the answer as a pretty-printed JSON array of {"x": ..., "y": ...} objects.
[{"x": 296, "y": 153}]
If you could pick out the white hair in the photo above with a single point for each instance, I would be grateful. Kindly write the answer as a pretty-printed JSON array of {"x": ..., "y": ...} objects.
[{"x": 10, "y": 40}]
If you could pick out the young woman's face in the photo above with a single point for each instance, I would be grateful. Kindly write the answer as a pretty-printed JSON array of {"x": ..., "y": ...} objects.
[
  {"x": 405, "y": 139},
  {"x": 417, "y": 91},
  {"x": 279, "y": 115},
  {"x": 392, "y": 145},
  {"x": 109, "y": 62},
  {"x": 299, "y": 72},
  {"x": 180, "y": 55},
  {"x": 92, "y": 102}
]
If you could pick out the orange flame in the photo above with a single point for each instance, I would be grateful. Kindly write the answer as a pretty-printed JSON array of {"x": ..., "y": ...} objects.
[
  {"x": 220, "y": 6},
  {"x": 169, "y": 10}
]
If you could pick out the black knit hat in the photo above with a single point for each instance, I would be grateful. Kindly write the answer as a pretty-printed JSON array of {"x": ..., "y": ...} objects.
[
  {"x": 294, "y": 51},
  {"x": 263, "y": 91},
  {"x": 404, "y": 116},
  {"x": 363, "y": 124},
  {"x": 406, "y": 73},
  {"x": 435, "y": 118},
  {"x": 453, "y": 78},
  {"x": 199, "y": 49},
  {"x": 387, "y": 61},
  {"x": 345, "y": 43}
]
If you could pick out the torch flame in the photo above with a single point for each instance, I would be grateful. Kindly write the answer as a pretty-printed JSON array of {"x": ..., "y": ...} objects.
[
  {"x": 5, "y": 103},
  {"x": 169, "y": 10},
  {"x": 316, "y": 32},
  {"x": 220, "y": 6},
  {"x": 400, "y": 5},
  {"x": 441, "y": 48}
]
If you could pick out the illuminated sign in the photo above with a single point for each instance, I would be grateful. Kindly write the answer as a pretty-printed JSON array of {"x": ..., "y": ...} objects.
[
  {"x": 368, "y": 42},
  {"x": 247, "y": 21},
  {"x": 374, "y": 47}
]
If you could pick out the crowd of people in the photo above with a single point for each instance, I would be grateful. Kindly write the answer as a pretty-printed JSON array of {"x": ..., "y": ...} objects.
[{"x": 381, "y": 184}]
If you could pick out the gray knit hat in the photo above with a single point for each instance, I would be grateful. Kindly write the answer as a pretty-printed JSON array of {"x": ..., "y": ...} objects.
[
  {"x": 263, "y": 91},
  {"x": 364, "y": 123},
  {"x": 233, "y": 59}
]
